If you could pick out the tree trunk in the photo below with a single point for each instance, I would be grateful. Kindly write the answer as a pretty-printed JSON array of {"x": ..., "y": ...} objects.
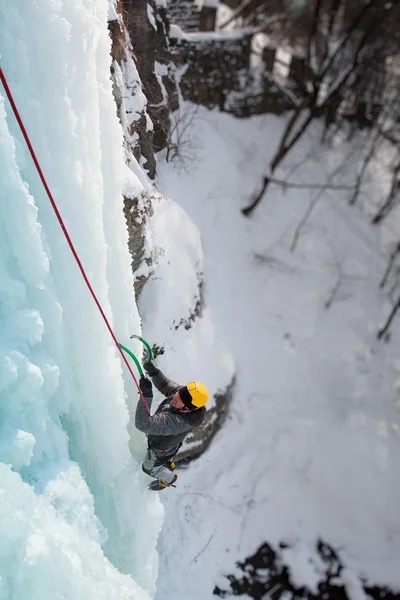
[{"x": 246, "y": 211}]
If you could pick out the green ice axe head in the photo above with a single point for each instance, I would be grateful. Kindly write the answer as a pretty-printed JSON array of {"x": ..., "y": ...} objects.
[{"x": 148, "y": 352}]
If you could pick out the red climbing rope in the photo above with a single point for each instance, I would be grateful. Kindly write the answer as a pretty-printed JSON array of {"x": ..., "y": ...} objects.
[{"x": 62, "y": 225}]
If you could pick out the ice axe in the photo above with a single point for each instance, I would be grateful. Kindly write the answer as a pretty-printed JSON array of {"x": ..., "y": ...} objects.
[{"x": 148, "y": 352}]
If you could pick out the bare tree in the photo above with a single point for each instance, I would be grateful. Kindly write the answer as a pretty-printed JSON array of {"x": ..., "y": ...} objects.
[
  {"x": 181, "y": 146},
  {"x": 345, "y": 46}
]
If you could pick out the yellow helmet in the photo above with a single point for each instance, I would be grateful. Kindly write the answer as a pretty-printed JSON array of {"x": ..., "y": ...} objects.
[{"x": 194, "y": 395}]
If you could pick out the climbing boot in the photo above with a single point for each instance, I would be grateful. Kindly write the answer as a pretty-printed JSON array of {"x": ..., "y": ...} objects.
[{"x": 161, "y": 485}]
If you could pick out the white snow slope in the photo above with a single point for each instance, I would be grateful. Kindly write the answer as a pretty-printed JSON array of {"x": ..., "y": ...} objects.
[{"x": 311, "y": 447}]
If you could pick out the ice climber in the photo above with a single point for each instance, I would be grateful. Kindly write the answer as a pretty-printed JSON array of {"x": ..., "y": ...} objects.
[{"x": 182, "y": 409}]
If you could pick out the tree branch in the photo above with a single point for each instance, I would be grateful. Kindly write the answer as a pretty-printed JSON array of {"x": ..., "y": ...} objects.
[
  {"x": 345, "y": 38},
  {"x": 312, "y": 42},
  {"x": 389, "y": 320},
  {"x": 333, "y": 293},
  {"x": 296, "y": 101},
  {"x": 311, "y": 186},
  {"x": 201, "y": 552},
  {"x": 236, "y": 13},
  {"x": 248, "y": 209}
]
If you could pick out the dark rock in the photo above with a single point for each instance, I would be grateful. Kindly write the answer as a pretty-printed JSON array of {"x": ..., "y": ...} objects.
[
  {"x": 151, "y": 45},
  {"x": 266, "y": 575},
  {"x": 135, "y": 221}
]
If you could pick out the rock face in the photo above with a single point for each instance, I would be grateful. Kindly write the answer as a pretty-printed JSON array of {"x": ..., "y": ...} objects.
[
  {"x": 136, "y": 214},
  {"x": 148, "y": 27},
  {"x": 138, "y": 130},
  {"x": 130, "y": 100},
  {"x": 216, "y": 65},
  {"x": 185, "y": 14},
  {"x": 144, "y": 87}
]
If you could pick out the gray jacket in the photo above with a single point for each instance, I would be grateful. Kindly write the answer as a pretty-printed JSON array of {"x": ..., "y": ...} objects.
[{"x": 169, "y": 426}]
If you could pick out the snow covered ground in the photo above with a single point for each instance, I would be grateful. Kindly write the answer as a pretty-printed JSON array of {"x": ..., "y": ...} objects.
[{"x": 311, "y": 447}]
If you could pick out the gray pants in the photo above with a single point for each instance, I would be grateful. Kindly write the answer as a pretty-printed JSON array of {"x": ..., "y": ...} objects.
[{"x": 153, "y": 463}]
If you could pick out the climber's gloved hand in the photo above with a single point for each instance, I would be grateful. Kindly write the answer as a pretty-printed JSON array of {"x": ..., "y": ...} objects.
[
  {"x": 146, "y": 386},
  {"x": 150, "y": 368}
]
